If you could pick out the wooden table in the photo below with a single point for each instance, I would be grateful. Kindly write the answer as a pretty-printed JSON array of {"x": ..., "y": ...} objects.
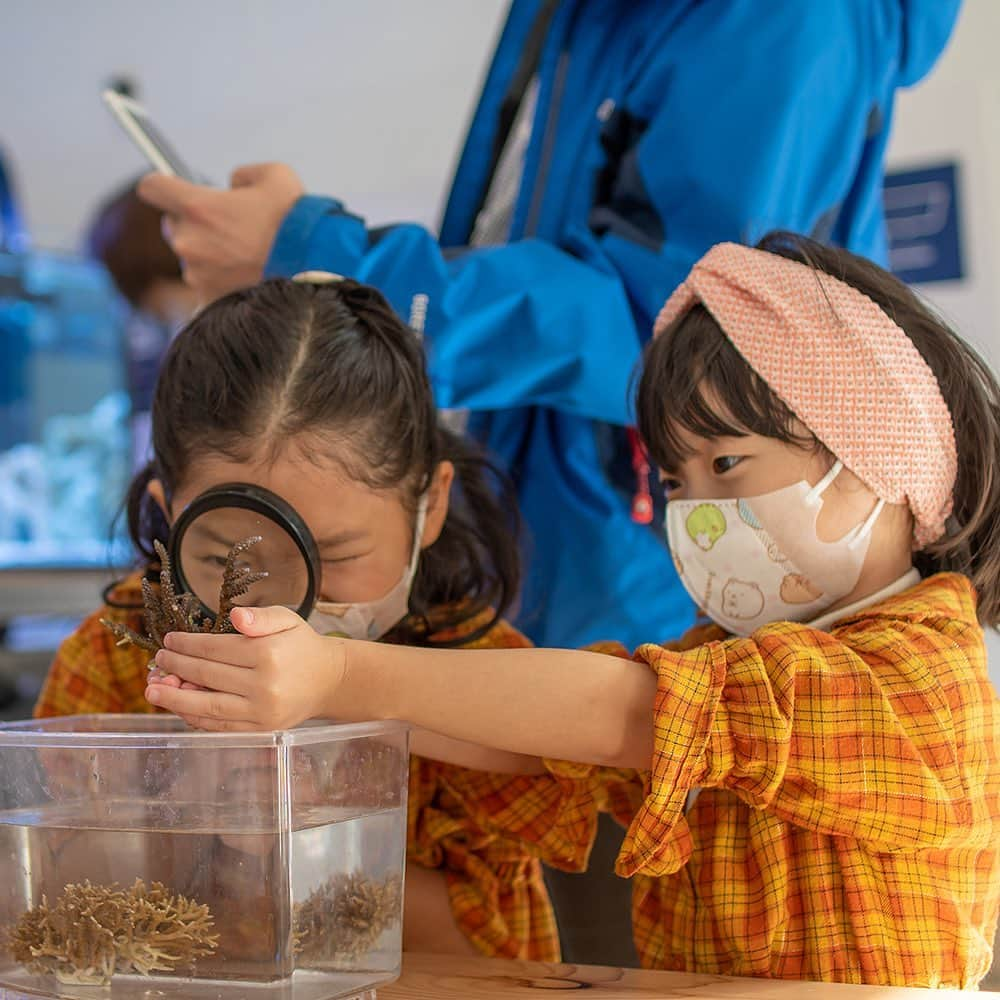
[{"x": 441, "y": 977}]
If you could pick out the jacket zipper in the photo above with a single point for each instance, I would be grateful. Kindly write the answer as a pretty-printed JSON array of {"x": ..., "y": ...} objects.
[{"x": 548, "y": 144}]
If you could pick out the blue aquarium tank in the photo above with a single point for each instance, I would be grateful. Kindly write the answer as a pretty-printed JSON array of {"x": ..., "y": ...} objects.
[{"x": 66, "y": 446}]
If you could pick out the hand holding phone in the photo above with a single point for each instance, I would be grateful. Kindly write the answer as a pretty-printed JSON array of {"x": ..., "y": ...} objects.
[{"x": 137, "y": 124}]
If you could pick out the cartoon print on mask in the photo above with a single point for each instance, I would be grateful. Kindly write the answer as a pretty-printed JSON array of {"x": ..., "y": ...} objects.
[
  {"x": 746, "y": 514},
  {"x": 706, "y": 524},
  {"x": 797, "y": 589},
  {"x": 741, "y": 599}
]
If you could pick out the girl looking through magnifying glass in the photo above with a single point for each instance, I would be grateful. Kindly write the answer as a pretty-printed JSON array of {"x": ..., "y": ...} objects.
[{"x": 317, "y": 393}]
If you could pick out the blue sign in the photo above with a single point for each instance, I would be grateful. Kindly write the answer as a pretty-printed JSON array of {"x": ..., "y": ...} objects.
[{"x": 922, "y": 212}]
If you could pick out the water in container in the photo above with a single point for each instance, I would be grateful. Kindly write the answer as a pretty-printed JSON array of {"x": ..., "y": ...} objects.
[{"x": 148, "y": 860}]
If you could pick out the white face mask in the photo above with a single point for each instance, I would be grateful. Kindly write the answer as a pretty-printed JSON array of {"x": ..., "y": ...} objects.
[
  {"x": 750, "y": 562},
  {"x": 372, "y": 619}
]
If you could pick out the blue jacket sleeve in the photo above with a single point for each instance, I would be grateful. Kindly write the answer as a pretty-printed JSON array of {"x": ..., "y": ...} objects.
[
  {"x": 781, "y": 123},
  {"x": 519, "y": 325}
]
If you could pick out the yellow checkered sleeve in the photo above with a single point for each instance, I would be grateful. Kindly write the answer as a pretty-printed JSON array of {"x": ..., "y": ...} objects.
[
  {"x": 825, "y": 805},
  {"x": 90, "y": 674}
]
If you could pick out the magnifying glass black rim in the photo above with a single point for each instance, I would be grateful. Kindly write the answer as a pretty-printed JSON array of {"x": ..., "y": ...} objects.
[{"x": 260, "y": 500}]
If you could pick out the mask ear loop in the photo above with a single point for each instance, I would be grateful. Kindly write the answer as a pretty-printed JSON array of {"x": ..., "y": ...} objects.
[
  {"x": 859, "y": 532},
  {"x": 864, "y": 529},
  {"x": 821, "y": 487},
  {"x": 418, "y": 535}
]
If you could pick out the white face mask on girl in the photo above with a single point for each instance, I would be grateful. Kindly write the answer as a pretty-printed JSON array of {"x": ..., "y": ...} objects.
[
  {"x": 372, "y": 619},
  {"x": 758, "y": 560}
]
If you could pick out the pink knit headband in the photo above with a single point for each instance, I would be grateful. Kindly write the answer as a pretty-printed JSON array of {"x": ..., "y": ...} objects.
[{"x": 843, "y": 367}]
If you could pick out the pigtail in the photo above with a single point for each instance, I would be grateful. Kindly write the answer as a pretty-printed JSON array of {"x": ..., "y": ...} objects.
[{"x": 146, "y": 523}]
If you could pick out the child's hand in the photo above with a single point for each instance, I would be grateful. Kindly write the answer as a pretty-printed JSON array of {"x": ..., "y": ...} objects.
[
  {"x": 277, "y": 673},
  {"x": 157, "y": 676}
]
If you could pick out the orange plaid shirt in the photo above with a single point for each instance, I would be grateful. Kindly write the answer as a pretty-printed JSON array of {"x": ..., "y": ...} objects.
[
  {"x": 456, "y": 818},
  {"x": 847, "y": 820}
]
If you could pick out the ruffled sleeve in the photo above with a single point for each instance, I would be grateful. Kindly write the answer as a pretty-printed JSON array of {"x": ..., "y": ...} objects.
[{"x": 864, "y": 732}]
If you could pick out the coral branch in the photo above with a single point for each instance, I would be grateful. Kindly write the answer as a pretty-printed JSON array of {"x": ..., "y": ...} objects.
[
  {"x": 343, "y": 919},
  {"x": 94, "y": 931},
  {"x": 165, "y": 610},
  {"x": 125, "y": 635},
  {"x": 236, "y": 581}
]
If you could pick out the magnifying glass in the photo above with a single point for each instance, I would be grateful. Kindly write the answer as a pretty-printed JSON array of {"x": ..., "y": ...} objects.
[{"x": 216, "y": 520}]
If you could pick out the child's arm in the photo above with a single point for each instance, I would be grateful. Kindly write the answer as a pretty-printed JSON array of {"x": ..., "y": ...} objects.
[
  {"x": 428, "y": 921},
  {"x": 883, "y": 732},
  {"x": 424, "y": 743},
  {"x": 433, "y": 746},
  {"x": 545, "y": 703}
]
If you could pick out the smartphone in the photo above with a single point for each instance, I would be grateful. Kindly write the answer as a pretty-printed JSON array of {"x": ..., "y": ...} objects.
[{"x": 134, "y": 119}]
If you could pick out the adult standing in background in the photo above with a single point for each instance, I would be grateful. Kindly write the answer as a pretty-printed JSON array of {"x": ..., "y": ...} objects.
[{"x": 613, "y": 143}]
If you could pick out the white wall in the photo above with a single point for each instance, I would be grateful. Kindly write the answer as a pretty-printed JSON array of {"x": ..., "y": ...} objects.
[
  {"x": 369, "y": 100},
  {"x": 955, "y": 115}
]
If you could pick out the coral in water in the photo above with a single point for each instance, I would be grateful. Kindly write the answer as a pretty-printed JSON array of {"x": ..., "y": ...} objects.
[
  {"x": 343, "y": 919},
  {"x": 94, "y": 931},
  {"x": 168, "y": 611}
]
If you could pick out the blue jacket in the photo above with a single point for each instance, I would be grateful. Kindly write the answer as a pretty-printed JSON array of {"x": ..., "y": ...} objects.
[{"x": 664, "y": 126}]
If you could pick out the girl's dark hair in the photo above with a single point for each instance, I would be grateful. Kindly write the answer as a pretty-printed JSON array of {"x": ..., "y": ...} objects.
[
  {"x": 694, "y": 356},
  {"x": 261, "y": 366}
]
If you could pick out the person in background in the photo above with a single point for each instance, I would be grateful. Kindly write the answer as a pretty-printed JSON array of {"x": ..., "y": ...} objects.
[
  {"x": 613, "y": 143},
  {"x": 126, "y": 236}
]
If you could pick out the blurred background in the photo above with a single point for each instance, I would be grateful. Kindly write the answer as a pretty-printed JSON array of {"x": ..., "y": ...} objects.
[
  {"x": 369, "y": 102},
  {"x": 379, "y": 123}
]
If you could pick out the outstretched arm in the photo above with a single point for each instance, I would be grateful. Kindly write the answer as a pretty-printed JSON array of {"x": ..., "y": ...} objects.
[
  {"x": 867, "y": 736},
  {"x": 539, "y": 703},
  {"x": 434, "y": 746},
  {"x": 547, "y": 703}
]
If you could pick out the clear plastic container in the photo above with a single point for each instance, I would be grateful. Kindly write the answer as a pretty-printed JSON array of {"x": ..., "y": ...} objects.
[{"x": 268, "y": 864}]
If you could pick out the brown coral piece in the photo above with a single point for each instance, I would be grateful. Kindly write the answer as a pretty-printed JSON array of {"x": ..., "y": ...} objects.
[
  {"x": 94, "y": 931},
  {"x": 168, "y": 611},
  {"x": 343, "y": 919}
]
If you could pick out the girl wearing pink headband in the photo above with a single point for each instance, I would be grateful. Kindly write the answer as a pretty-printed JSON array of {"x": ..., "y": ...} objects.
[{"x": 811, "y": 783}]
